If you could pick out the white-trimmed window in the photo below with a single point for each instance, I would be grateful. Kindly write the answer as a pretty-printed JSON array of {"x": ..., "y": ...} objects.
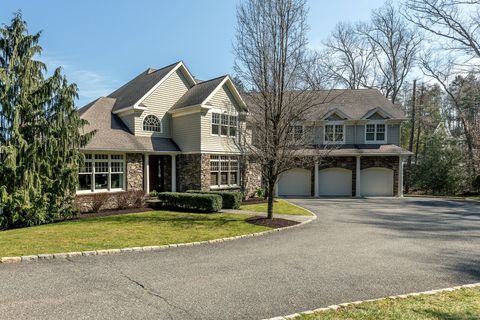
[
  {"x": 152, "y": 124},
  {"x": 224, "y": 124},
  {"x": 334, "y": 133},
  {"x": 223, "y": 171},
  {"x": 296, "y": 132},
  {"x": 102, "y": 172},
  {"x": 375, "y": 132}
]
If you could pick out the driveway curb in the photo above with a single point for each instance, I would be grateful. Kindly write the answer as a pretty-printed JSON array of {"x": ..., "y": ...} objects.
[
  {"x": 66, "y": 255},
  {"x": 400, "y": 296}
]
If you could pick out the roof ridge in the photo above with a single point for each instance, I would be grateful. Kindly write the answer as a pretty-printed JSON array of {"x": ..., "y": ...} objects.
[{"x": 210, "y": 80}]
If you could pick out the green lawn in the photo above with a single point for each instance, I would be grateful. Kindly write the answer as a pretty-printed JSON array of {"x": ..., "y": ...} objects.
[
  {"x": 121, "y": 231},
  {"x": 280, "y": 206},
  {"x": 461, "y": 304}
]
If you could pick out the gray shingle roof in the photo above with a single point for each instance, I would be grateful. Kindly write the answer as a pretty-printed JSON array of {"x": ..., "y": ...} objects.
[
  {"x": 112, "y": 134},
  {"x": 128, "y": 94},
  {"x": 354, "y": 103},
  {"x": 358, "y": 149},
  {"x": 198, "y": 93}
]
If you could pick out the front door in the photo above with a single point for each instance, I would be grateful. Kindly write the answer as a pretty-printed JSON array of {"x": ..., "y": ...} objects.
[{"x": 157, "y": 173}]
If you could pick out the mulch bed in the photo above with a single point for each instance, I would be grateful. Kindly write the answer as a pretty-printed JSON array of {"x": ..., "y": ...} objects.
[
  {"x": 271, "y": 223},
  {"x": 110, "y": 213}
]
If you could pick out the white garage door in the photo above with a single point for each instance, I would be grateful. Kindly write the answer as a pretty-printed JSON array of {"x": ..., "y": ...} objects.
[
  {"x": 335, "y": 182},
  {"x": 295, "y": 182},
  {"x": 376, "y": 182}
]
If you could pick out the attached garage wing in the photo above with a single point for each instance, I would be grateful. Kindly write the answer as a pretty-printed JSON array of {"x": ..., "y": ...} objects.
[
  {"x": 335, "y": 182},
  {"x": 295, "y": 182},
  {"x": 376, "y": 182}
]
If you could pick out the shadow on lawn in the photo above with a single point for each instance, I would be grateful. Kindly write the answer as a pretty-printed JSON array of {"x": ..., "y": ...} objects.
[
  {"x": 172, "y": 218},
  {"x": 453, "y": 315}
]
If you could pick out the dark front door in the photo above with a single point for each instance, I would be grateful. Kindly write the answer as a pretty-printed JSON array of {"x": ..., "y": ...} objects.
[{"x": 157, "y": 173}]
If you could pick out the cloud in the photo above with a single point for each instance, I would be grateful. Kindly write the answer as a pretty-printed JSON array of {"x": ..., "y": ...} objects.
[{"x": 91, "y": 84}]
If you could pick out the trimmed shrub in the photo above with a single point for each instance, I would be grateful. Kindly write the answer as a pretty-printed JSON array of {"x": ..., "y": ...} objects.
[
  {"x": 230, "y": 199},
  {"x": 195, "y": 202}
]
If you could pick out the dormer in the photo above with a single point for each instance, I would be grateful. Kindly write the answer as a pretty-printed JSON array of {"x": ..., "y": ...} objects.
[
  {"x": 334, "y": 126},
  {"x": 376, "y": 128}
]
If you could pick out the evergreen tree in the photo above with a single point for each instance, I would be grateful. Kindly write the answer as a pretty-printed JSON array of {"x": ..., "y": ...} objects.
[{"x": 40, "y": 133}]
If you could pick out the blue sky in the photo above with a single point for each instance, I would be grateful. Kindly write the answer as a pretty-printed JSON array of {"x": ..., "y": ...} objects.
[{"x": 103, "y": 44}]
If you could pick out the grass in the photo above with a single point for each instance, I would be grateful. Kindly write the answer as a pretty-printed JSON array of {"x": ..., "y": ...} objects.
[
  {"x": 280, "y": 206},
  {"x": 460, "y": 304},
  {"x": 121, "y": 231}
]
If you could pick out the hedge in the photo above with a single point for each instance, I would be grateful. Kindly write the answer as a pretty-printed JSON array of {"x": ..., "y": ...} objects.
[
  {"x": 231, "y": 199},
  {"x": 195, "y": 202}
]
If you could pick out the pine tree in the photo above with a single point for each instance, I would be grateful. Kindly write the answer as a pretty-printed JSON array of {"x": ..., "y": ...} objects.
[{"x": 40, "y": 133}]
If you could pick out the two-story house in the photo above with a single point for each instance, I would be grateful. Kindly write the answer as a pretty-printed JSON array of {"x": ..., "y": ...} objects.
[
  {"x": 359, "y": 132},
  {"x": 166, "y": 131}
]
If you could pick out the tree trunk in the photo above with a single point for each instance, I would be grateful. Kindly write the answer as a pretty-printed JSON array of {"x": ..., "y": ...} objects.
[
  {"x": 271, "y": 192},
  {"x": 412, "y": 137}
]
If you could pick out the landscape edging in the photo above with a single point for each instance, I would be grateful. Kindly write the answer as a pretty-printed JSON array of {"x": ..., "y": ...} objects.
[
  {"x": 400, "y": 296},
  {"x": 65, "y": 255}
]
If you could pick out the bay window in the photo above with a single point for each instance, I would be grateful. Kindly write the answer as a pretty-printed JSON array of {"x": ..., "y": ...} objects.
[
  {"x": 334, "y": 133},
  {"x": 375, "y": 132},
  {"x": 223, "y": 171},
  {"x": 224, "y": 124},
  {"x": 102, "y": 172}
]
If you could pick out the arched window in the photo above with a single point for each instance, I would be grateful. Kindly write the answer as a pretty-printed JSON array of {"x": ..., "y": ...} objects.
[{"x": 151, "y": 123}]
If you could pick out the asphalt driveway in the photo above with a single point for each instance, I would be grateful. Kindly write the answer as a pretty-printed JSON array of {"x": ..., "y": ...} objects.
[{"x": 356, "y": 249}]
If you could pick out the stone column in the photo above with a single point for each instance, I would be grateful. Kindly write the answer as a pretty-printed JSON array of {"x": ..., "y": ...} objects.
[
  {"x": 358, "y": 192},
  {"x": 400, "y": 176},
  {"x": 174, "y": 173},
  {"x": 315, "y": 183},
  {"x": 146, "y": 174}
]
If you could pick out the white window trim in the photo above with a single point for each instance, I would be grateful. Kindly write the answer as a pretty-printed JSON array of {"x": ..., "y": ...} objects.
[
  {"x": 159, "y": 120},
  {"x": 109, "y": 178},
  {"x": 297, "y": 124},
  {"x": 375, "y": 141},
  {"x": 220, "y": 113},
  {"x": 335, "y": 123},
  {"x": 225, "y": 186}
]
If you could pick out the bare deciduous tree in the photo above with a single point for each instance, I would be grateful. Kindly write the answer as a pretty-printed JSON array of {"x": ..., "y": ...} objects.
[
  {"x": 272, "y": 63},
  {"x": 395, "y": 46},
  {"x": 456, "y": 22},
  {"x": 348, "y": 57},
  {"x": 454, "y": 26}
]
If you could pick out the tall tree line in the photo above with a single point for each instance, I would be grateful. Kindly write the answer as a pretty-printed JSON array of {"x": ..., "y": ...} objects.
[
  {"x": 40, "y": 133},
  {"x": 436, "y": 43}
]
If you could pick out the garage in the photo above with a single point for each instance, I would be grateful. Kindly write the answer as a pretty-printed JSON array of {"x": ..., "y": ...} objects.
[
  {"x": 376, "y": 182},
  {"x": 335, "y": 182},
  {"x": 295, "y": 182}
]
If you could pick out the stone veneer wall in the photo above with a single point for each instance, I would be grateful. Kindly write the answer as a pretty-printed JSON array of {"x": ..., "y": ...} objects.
[
  {"x": 193, "y": 172},
  {"x": 134, "y": 171},
  {"x": 252, "y": 176}
]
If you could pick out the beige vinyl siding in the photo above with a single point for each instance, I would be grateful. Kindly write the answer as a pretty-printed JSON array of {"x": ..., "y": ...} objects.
[
  {"x": 221, "y": 101},
  {"x": 160, "y": 101},
  {"x": 223, "y": 98},
  {"x": 186, "y": 132},
  {"x": 393, "y": 134},
  {"x": 214, "y": 143}
]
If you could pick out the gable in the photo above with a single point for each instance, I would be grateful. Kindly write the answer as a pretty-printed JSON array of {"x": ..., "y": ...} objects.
[
  {"x": 223, "y": 98},
  {"x": 376, "y": 116},
  {"x": 335, "y": 117}
]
